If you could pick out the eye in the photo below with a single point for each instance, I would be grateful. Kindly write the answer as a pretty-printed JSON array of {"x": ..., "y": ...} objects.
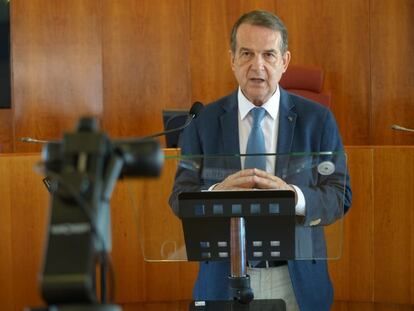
[
  {"x": 270, "y": 55},
  {"x": 245, "y": 54}
]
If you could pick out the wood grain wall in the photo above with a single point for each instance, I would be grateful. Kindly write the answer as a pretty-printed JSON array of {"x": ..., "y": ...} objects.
[
  {"x": 125, "y": 61},
  {"x": 145, "y": 47},
  {"x": 57, "y": 66}
]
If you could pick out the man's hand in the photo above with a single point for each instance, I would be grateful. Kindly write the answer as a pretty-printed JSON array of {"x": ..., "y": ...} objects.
[{"x": 252, "y": 178}]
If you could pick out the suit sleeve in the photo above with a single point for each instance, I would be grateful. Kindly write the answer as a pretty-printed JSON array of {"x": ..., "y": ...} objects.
[
  {"x": 187, "y": 177},
  {"x": 330, "y": 196}
]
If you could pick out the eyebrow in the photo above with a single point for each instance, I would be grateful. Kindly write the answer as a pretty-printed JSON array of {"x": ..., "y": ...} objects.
[
  {"x": 242, "y": 49},
  {"x": 271, "y": 51}
]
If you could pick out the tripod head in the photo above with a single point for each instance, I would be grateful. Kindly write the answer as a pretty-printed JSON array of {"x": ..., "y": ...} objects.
[{"x": 84, "y": 168}]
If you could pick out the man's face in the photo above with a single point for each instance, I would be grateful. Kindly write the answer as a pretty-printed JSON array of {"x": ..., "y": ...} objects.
[{"x": 257, "y": 62}]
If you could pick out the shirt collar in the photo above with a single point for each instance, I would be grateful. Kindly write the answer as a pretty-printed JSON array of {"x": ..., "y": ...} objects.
[{"x": 271, "y": 106}]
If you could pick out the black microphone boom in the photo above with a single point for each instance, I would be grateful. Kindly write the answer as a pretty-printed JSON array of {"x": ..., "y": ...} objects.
[
  {"x": 194, "y": 112},
  {"x": 143, "y": 156}
]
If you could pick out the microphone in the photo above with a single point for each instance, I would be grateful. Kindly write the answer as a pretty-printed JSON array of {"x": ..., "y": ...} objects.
[
  {"x": 196, "y": 109},
  {"x": 34, "y": 140},
  {"x": 401, "y": 128},
  {"x": 142, "y": 156},
  {"x": 194, "y": 112}
]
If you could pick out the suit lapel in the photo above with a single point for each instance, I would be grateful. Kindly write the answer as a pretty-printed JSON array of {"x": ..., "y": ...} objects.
[
  {"x": 230, "y": 131},
  {"x": 230, "y": 126},
  {"x": 287, "y": 121}
]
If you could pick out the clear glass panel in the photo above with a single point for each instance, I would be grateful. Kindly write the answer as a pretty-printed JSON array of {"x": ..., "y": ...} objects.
[{"x": 182, "y": 193}]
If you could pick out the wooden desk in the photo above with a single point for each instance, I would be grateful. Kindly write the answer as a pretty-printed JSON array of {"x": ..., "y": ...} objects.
[
  {"x": 377, "y": 263},
  {"x": 23, "y": 223}
]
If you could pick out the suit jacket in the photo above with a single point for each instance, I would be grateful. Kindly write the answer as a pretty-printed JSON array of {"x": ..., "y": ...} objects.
[{"x": 304, "y": 126}]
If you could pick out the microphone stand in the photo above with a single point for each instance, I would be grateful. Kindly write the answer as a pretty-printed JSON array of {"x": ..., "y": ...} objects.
[{"x": 239, "y": 281}]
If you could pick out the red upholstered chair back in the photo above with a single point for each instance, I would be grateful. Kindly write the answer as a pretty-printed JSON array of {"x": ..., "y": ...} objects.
[{"x": 306, "y": 81}]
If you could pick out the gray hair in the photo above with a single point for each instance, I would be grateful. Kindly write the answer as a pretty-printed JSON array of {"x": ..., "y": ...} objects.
[{"x": 261, "y": 18}]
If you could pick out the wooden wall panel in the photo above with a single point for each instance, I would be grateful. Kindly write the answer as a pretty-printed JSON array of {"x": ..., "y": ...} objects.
[
  {"x": 163, "y": 233},
  {"x": 6, "y": 130},
  {"x": 393, "y": 225},
  {"x": 368, "y": 306},
  {"x": 211, "y": 23},
  {"x": 145, "y": 63},
  {"x": 392, "y": 50},
  {"x": 56, "y": 52},
  {"x": 25, "y": 207},
  {"x": 142, "y": 222},
  {"x": 29, "y": 209},
  {"x": 353, "y": 274},
  {"x": 377, "y": 263},
  {"x": 6, "y": 257},
  {"x": 335, "y": 36},
  {"x": 125, "y": 61},
  {"x": 127, "y": 260},
  {"x": 24, "y": 212}
]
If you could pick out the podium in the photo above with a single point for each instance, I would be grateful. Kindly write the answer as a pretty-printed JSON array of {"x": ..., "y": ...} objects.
[
  {"x": 252, "y": 219},
  {"x": 183, "y": 220},
  {"x": 215, "y": 225}
]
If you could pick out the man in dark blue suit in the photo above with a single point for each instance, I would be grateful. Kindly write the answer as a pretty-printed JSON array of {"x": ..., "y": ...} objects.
[{"x": 259, "y": 57}]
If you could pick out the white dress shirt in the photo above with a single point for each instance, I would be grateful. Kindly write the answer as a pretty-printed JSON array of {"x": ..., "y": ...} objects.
[{"x": 270, "y": 126}]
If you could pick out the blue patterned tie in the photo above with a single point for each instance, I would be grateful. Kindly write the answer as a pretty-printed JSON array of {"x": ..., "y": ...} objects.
[{"x": 256, "y": 141}]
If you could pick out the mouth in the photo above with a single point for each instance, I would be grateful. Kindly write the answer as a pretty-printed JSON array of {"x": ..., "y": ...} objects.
[{"x": 257, "y": 80}]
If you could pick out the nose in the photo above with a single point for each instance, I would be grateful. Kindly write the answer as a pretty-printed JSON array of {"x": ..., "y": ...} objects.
[{"x": 258, "y": 62}]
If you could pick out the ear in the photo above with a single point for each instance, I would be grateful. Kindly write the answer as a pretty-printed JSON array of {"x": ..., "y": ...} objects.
[
  {"x": 232, "y": 56},
  {"x": 286, "y": 60}
]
